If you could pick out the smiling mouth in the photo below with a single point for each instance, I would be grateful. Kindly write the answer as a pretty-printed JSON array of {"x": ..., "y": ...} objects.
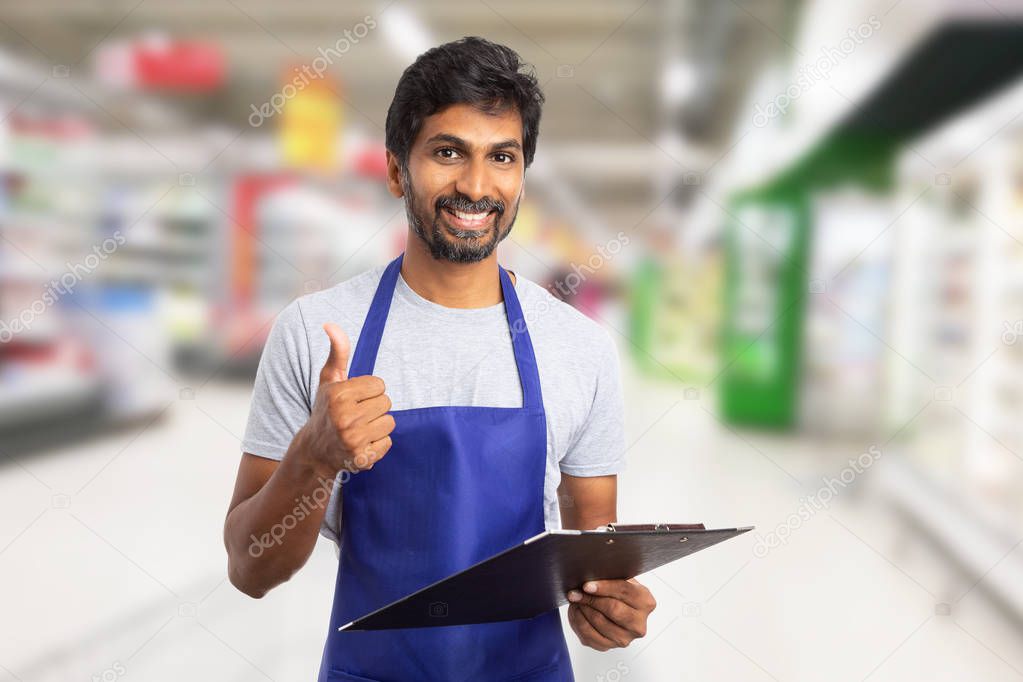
[{"x": 464, "y": 220}]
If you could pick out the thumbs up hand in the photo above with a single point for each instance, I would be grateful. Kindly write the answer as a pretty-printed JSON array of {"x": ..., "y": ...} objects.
[{"x": 349, "y": 427}]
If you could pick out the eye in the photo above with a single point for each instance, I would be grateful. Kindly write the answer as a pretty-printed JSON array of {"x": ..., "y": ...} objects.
[
  {"x": 504, "y": 158},
  {"x": 447, "y": 153}
]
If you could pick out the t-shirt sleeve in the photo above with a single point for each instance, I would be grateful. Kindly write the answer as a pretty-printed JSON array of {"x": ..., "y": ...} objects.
[
  {"x": 280, "y": 395},
  {"x": 599, "y": 445}
]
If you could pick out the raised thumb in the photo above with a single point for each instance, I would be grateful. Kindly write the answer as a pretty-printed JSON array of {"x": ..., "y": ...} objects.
[{"x": 336, "y": 366}]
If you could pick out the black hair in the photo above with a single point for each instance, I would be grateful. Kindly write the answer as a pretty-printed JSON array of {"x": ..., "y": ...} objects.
[{"x": 471, "y": 70}]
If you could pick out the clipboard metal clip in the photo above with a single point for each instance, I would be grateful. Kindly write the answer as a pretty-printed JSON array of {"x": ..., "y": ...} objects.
[{"x": 647, "y": 526}]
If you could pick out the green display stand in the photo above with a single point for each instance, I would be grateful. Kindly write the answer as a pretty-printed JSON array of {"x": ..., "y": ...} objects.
[
  {"x": 768, "y": 241},
  {"x": 642, "y": 308},
  {"x": 675, "y": 312},
  {"x": 955, "y": 65},
  {"x": 766, "y": 246}
]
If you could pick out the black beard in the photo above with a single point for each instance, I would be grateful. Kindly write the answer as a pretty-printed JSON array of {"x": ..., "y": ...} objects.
[{"x": 449, "y": 243}]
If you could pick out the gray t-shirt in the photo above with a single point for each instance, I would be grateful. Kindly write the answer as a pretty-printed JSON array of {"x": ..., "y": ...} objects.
[{"x": 433, "y": 355}]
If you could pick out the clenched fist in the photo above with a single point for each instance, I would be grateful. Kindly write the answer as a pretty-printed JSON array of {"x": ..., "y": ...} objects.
[{"x": 349, "y": 427}]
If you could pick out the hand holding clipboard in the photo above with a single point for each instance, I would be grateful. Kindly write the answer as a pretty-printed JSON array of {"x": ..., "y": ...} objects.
[{"x": 536, "y": 576}]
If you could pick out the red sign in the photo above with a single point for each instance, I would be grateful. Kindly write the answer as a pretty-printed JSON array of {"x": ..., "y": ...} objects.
[{"x": 164, "y": 64}]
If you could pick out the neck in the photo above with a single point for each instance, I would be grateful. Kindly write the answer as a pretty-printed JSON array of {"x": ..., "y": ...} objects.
[{"x": 452, "y": 285}]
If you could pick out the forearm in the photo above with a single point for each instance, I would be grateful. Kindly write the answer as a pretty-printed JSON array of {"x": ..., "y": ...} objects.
[{"x": 271, "y": 535}]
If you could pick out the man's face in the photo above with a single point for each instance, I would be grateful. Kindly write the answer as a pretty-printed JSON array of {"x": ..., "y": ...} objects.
[{"x": 464, "y": 181}]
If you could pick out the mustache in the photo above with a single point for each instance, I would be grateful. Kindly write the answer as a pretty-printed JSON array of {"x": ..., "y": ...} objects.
[{"x": 466, "y": 205}]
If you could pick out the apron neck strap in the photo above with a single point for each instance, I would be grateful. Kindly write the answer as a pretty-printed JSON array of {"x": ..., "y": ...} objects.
[
  {"x": 522, "y": 345},
  {"x": 364, "y": 359}
]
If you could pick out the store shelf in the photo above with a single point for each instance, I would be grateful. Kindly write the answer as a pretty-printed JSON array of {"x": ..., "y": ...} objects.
[
  {"x": 957, "y": 65},
  {"x": 953, "y": 523},
  {"x": 41, "y": 398},
  {"x": 954, "y": 66}
]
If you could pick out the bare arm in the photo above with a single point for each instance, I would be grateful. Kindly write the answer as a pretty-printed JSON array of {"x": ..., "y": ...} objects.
[
  {"x": 588, "y": 502},
  {"x": 277, "y": 507},
  {"x": 605, "y": 614},
  {"x": 268, "y": 534}
]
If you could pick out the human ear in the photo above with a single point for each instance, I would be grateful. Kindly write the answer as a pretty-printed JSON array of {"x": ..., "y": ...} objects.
[{"x": 394, "y": 176}]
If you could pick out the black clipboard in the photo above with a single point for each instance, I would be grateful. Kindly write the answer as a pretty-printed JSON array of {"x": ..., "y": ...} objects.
[{"x": 534, "y": 577}]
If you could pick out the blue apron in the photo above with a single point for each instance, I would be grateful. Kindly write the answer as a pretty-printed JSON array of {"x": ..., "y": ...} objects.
[{"x": 458, "y": 485}]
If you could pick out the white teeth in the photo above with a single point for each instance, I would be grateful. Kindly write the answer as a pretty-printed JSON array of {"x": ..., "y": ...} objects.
[{"x": 470, "y": 217}]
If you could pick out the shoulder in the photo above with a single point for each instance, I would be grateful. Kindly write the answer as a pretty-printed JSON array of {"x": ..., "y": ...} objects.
[
  {"x": 298, "y": 327},
  {"x": 345, "y": 303},
  {"x": 553, "y": 324}
]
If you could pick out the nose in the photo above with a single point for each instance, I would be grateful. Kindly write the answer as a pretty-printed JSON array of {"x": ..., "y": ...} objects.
[{"x": 473, "y": 181}]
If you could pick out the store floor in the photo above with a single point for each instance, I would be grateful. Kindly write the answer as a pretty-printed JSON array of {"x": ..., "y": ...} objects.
[{"x": 111, "y": 564}]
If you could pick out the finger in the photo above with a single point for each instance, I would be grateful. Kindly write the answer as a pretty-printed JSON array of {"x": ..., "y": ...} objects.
[
  {"x": 369, "y": 409},
  {"x": 643, "y": 598},
  {"x": 628, "y": 591},
  {"x": 361, "y": 388},
  {"x": 587, "y": 633},
  {"x": 373, "y": 453},
  {"x": 379, "y": 448},
  {"x": 336, "y": 366},
  {"x": 606, "y": 627},
  {"x": 380, "y": 427},
  {"x": 614, "y": 609},
  {"x": 578, "y": 623}
]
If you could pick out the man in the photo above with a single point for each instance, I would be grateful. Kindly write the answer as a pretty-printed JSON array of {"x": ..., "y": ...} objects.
[{"x": 473, "y": 403}]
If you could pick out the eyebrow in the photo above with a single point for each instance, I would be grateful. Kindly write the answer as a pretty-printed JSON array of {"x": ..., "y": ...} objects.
[{"x": 510, "y": 143}]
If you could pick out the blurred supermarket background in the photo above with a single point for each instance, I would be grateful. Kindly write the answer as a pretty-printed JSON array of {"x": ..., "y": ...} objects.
[{"x": 819, "y": 308}]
